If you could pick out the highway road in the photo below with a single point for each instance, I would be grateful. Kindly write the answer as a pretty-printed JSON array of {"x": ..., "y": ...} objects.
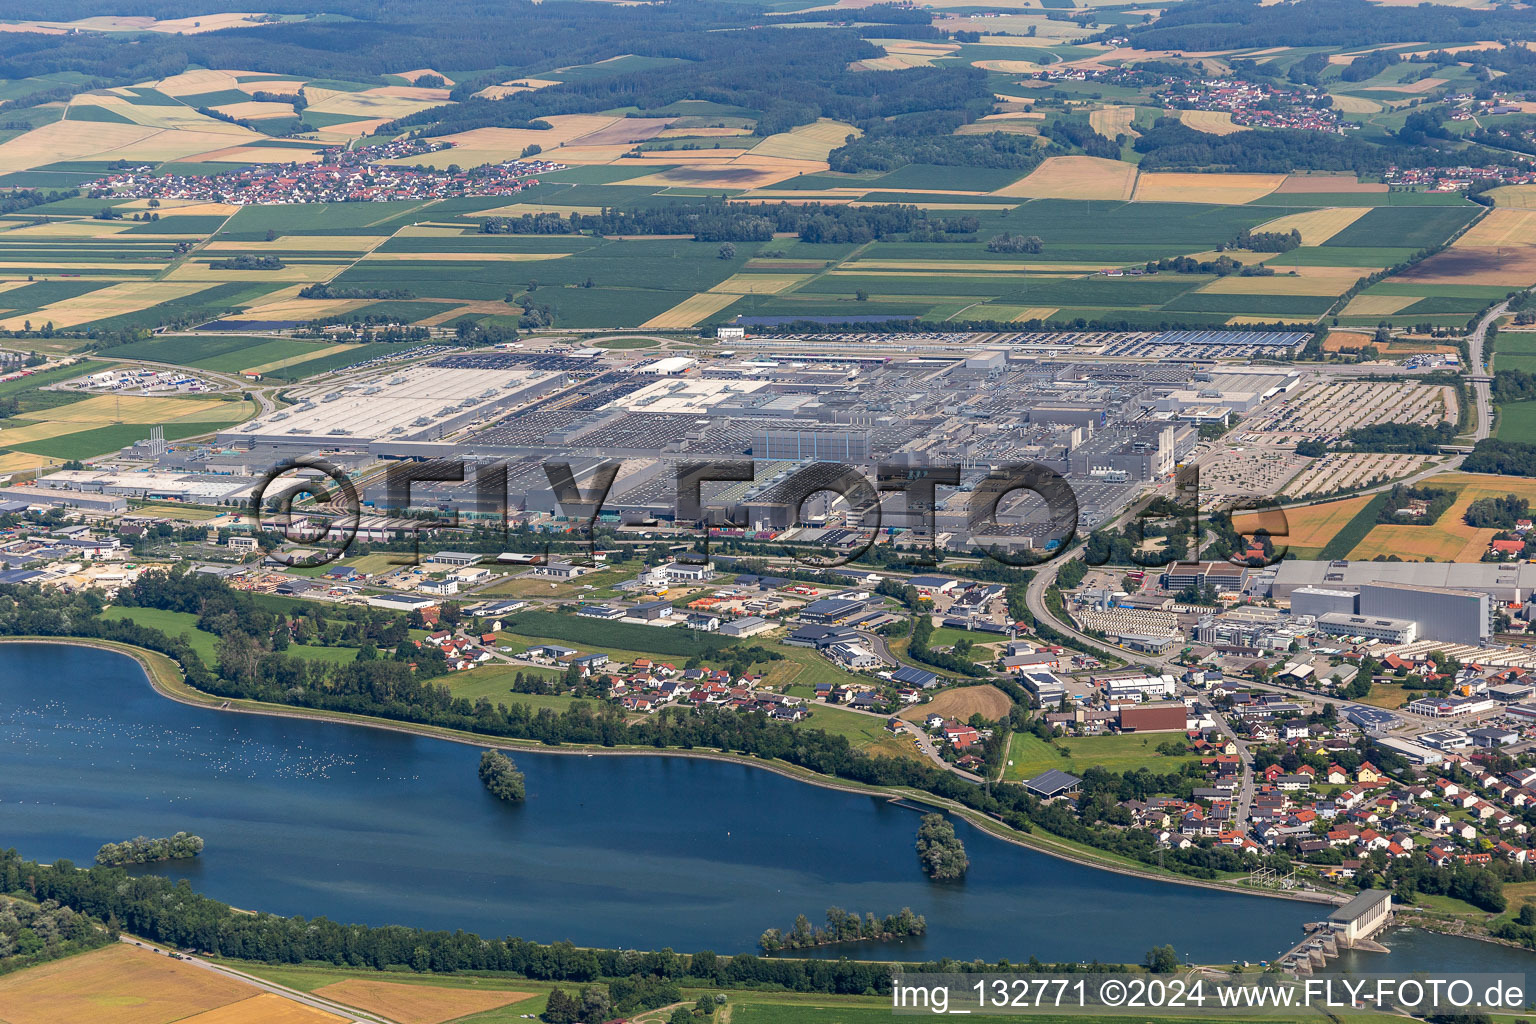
[{"x": 1482, "y": 392}]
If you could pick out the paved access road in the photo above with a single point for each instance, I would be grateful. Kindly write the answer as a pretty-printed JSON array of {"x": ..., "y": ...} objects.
[{"x": 306, "y": 998}]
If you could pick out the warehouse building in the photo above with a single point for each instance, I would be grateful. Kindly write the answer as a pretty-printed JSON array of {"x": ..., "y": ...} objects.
[
  {"x": 1392, "y": 631},
  {"x": 1464, "y": 616},
  {"x": 1162, "y": 716},
  {"x": 1319, "y": 601}
]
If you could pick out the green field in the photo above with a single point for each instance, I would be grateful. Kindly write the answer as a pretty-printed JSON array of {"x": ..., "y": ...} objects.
[
  {"x": 1412, "y": 228},
  {"x": 678, "y": 641},
  {"x": 230, "y": 353},
  {"x": 1515, "y": 350},
  {"x": 1517, "y": 422},
  {"x": 1354, "y": 531},
  {"x": 206, "y": 644},
  {"x": 1123, "y": 753}
]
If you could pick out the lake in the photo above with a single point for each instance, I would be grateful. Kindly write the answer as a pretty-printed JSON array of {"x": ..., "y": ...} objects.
[{"x": 366, "y": 825}]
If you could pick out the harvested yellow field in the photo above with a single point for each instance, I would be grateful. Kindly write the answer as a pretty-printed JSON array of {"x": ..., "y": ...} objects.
[
  {"x": 71, "y": 229},
  {"x": 99, "y": 410},
  {"x": 807, "y": 142},
  {"x": 1033, "y": 313},
  {"x": 1501, "y": 227},
  {"x": 1449, "y": 538},
  {"x": 192, "y": 83},
  {"x": 415, "y": 73},
  {"x": 1022, "y": 115},
  {"x": 1113, "y": 120},
  {"x": 690, "y": 311},
  {"x": 1266, "y": 318},
  {"x": 275, "y": 86},
  {"x": 14, "y": 437},
  {"x": 1009, "y": 67},
  {"x": 121, "y": 983},
  {"x": 259, "y": 154},
  {"x": 409, "y": 92},
  {"x": 1283, "y": 284},
  {"x": 490, "y": 145},
  {"x": 385, "y": 102},
  {"x": 178, "y": 144},
  {"x": 309, "y": 273},
  {"x": 703, "y": 133},
  {"x": 1355, "y": 105},
  {"x": 1212, "y": 122},
  {"x": 904, "y": 53},
  {"x": 1316, "y": 226},
  {"x": 302, "y": 309},
  {"x": 461, "y": 257},
  {"x": 1378, "y": 305},
  {"x": 505, "y": 89},
  {"x": 1312, "y": 183},
  {"x": 417, "y": 1004},
  {"x": 1075, "y": 177},
  {"x": 278, "y": 364},
  {"x": 255, "y": 110},
  {"x": 113, "y": 300},
  {"x": 346, "y": 131},
  {"x": 1307, "y": 529},
  {"x": 178, "y": 116},
  {"x": 68, "y": 140},
  {"x": 747, "y": 171},
  {"x": 1001, "y": 266},
  {"x": 1422, "y": 85},
  {"x": 303, "y": 243},
  {"x": 759, "y": 284},
  {"x": 1222, "y": 189},
  {"x": 22, "y": 462},
  {"x": 962, "y": 703},
  {"x": 1012, "y": 126},
  {"x": 265, "y": 1008},
  {"x": 1517, "y": 197}
]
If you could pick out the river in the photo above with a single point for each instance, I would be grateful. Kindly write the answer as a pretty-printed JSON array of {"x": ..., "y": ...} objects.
[{"x": 367, "y": 825}]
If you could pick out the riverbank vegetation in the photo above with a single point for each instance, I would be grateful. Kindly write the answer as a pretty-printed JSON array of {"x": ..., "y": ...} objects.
[
  {"x": 399, "y": 683},
  {"x": 32, "y": 933},
  {"x": 501, "y": 777},
  {"x": 142, "y": 850},
  {"x": 940, "y": 851},
  {"x": 843, "y": 926},
  {"x": 172, "y": 914}
]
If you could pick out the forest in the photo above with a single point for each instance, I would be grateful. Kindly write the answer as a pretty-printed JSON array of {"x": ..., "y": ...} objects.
[
  {"x": 1508, "y": 458},
  {"x": 1335, "y": 24},
  {"x": 1172, "y": 145},
  {"x": 714, "y": 221}
]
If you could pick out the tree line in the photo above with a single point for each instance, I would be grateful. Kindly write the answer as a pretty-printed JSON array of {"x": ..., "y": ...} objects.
[
  {"x": 716, "y": 221},
  {"x": 1172, "y": 145},
  {"x": 843, "y": 926},
  {"x": 172, "y": 913}
]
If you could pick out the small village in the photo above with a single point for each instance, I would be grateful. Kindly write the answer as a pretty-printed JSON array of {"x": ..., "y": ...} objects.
[{"x": 340, "y": 176}]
